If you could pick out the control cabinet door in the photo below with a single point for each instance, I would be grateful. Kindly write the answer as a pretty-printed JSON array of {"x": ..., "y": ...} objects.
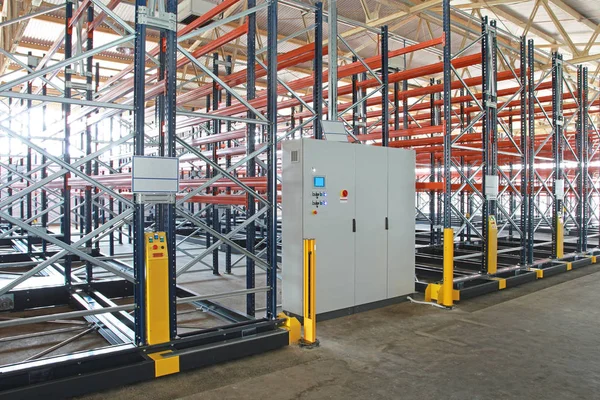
[
  {"x": 328, "y": 171},
  {"x": 292, "y": 226},
  {"x": 401, "y": 214},
  {"x": 371, "y": 236}
]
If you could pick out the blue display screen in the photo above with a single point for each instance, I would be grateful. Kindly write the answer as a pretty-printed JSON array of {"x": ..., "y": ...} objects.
[{"x": 319, "y": 181}]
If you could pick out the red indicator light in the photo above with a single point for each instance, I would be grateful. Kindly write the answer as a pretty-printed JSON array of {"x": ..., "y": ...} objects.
[{"x": 344, "y": 193}]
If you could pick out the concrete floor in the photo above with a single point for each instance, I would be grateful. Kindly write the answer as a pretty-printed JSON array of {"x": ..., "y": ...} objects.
[{"x": 537, "y": 341}]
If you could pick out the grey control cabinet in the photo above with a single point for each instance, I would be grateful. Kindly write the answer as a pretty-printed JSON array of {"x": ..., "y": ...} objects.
[{"x": 358, "y": 203}]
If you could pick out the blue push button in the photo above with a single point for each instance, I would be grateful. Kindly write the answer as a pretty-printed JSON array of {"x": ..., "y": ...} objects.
[{"x": 156, "y": 236}]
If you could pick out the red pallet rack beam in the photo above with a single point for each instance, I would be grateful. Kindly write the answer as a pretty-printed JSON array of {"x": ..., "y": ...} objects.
[
  {"x": 159, "y": 86},
  {"x": 203, "y": 19},
  {"x": 418, "y": 92},
  {"x": 285, "y": 60},
  {"x": 304, "y": 54},
  {"x": 261, "y": 102}
]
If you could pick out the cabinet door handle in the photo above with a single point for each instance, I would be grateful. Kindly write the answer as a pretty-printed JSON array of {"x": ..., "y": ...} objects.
[
  {"x": 386, "y": 223},
  {"x": 353, "y": 225}
]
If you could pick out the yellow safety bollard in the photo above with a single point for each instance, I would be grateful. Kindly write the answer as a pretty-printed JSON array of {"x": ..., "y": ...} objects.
[
  {"x": 560, "y": 238},
  {"x": 310, "y": 312},
  {"x": 446, "y": 299},
  {"x": 492, "y": 253}
]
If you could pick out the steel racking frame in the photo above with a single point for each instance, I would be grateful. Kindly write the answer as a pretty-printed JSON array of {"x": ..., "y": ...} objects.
[{"x": 463, "y": 140}]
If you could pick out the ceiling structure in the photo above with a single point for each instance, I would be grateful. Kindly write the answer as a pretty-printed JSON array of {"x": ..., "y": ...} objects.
[{"x": 571, "y": 27}]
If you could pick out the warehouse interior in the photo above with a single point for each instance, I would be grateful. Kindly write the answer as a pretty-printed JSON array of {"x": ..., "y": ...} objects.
[{"x": 241, "y": 198}]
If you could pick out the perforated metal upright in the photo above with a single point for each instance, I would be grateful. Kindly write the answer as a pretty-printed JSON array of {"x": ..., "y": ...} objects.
[
  {"x": 138, "y": 213},
  {"x": 583, "y": 155},
  {"x": 88, "y": 210},
  {"x": 216, "y": 129},
  {"x": 251, "y": 165},
  {"x": 272, "y": 159},
  {"x": 167, "y": 211},
  {"x": 489, "y": 128},
  {"x": 318, "y": 71},
  {"x": 525, "y": 196},
  {"x": 447, "y": 58},
  {"x": 557, "y": 148},
  {"x": 66, "y": 191},
  {"x": 531, "y": 150},
  {"x": 385, "y": 111},
  {"x": 170, "y": 214}
]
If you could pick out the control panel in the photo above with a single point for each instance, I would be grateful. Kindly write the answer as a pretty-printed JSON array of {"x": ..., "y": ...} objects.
[
  {"x": 318, "y": 197},
  {"x": 353, "y": 201},
  {"x": 156, "y": 245},
  {"x": 493, "y": 224},
  {"x": 157, "y": 287}
]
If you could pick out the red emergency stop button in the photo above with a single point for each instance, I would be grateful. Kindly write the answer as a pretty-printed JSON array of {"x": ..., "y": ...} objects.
[{"x": 154, "y": 247}]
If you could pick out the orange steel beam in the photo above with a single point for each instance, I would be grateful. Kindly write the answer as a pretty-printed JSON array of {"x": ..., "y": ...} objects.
[
  {"x": 261, "y": 102},
  {"x": 426, "y": 129},
  {"x": 286, "y": 60},
  {"x": 159, "y": 87},
  {"x": 303, "y": 54},
  {"x": 476, "y": 81},
  {"x": 193, "y": 25}
]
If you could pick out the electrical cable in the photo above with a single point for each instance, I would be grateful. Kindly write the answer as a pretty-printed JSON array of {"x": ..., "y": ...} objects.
[{"x": 428, "y": 303}]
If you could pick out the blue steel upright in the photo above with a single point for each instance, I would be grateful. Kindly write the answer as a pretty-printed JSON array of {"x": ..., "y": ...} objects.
[
  {"x": 272, "y": 159},
  {"x": 139, "y": 271},
  {"x": 251, "y": 166},
  {"x": 88, "y": 142},
  {"x": 385, "y": 72},
  {"x": 557, "y": 144},
  {"x": 447, "y": 53},
  {"x": 66, "y": 192},
  {"x": 318, "y": 71},
  {"x": 531, "y": 149},
  {"x": 525, "y": 196},
  {"x": 170, "y": 215}
]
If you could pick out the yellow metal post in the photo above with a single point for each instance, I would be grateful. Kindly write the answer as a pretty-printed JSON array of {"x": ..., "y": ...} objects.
[
  {"x": 157, "y": 288},
  {"x": 560, "y": 238},
  {"x": 446, "y": 299},
  {"x": 310, "y": 312},
  {"x": 492, "y": 255}
]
